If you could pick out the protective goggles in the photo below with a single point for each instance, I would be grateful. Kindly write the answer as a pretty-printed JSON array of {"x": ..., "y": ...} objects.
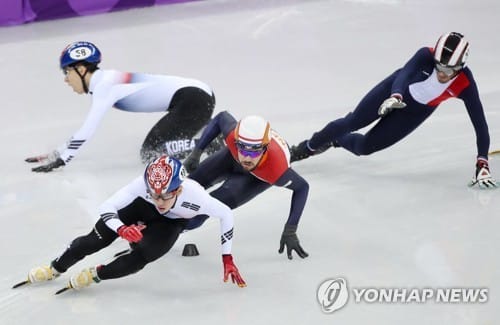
[
  {"x": 164, "y": 196},
  {"x": 448, "y": 71},
  {"x": 250, "y": 150}
]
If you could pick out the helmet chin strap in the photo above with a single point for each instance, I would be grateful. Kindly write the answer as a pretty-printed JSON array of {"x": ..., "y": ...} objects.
[{"x": 82, "y": 78}]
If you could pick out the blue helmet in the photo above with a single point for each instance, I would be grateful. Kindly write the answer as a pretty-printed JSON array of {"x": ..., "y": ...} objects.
[
  {"x": 79, "y": 52},
  {"x": 163, "y": 175}
]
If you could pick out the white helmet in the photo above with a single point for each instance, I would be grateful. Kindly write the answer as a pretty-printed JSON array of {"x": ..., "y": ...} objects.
[
  {"x": 451, "y": 50},
  {"x": 253, "y": 132}
]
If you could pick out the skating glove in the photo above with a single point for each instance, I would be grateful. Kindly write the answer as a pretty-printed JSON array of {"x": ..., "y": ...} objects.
[
  {"x": 37, "y": 159},
  {"x": 231, "y": 270},
  {"x": 193, "y": 160},
  {"x": 52, "y": 156},
  {"x": 482, "y": 177},
  {"x": 393, "y": 102},
  {"x": 131, "y": 233},
  {"x": 291, "y": 241},
  {"x": 49, "y": 166}
]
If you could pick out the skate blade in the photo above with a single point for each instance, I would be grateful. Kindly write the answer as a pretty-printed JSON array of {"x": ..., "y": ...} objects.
[
  {"x": 63, "y": 290},
  {"x": 20, "y": 284}
]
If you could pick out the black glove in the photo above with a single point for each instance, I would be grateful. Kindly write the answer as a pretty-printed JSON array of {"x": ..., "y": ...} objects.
[
  {"x": 193, "y": 160},
  {"x": 48, "y": 167},
  {"x": 291, "y": 241}
]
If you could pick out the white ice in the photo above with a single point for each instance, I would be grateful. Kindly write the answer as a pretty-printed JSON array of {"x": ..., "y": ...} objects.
[{"x": 401, "y": 218}]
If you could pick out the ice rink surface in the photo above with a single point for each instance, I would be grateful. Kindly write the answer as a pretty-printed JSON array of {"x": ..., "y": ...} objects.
[{"x": 401, "y": 218}]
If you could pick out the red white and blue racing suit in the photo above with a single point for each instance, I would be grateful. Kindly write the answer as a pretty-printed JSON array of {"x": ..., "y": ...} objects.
[{"x": 417, "y": 82}]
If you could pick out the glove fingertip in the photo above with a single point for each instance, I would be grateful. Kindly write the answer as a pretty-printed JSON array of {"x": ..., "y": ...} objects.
[{"x": 303, "y": 253}]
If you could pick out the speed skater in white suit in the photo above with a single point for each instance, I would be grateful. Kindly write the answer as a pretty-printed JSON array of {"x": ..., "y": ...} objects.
[
  {"x": 149, "y": 213},
  {"x": 188, "y": 102}
]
